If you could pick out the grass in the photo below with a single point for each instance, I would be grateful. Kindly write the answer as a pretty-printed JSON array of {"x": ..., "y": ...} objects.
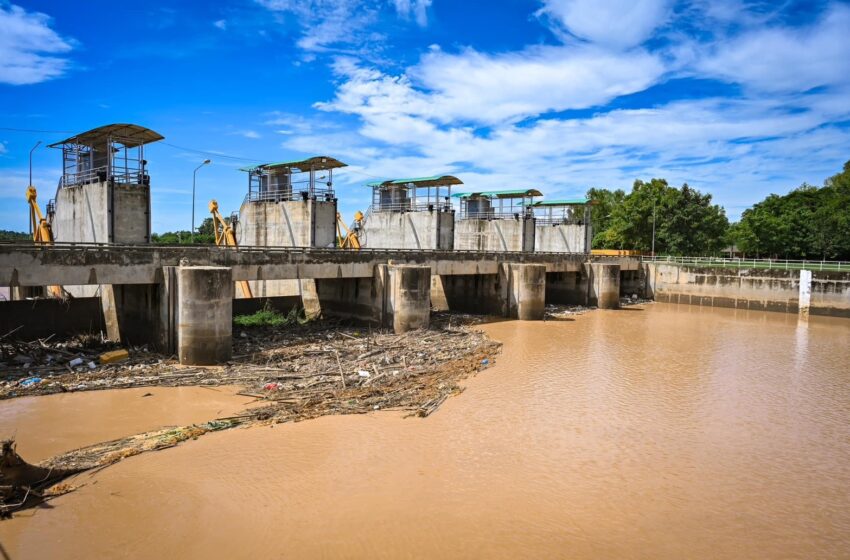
[{"x": 270, "y": 317}]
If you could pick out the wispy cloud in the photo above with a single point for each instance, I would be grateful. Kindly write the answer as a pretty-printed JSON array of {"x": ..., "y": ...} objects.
[
  {"x": 418, "y": 9},
  {"x": 618, "y": 23},
  {"x": 29, "y": 48},
  {"x": 221, "y": 24}
]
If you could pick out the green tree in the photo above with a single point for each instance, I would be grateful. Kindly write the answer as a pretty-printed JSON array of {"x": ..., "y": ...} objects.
[
  {"x": 685, "y": 221},
  {"x": 604, "y": 202},
  {"x": 807, "y": 223}
]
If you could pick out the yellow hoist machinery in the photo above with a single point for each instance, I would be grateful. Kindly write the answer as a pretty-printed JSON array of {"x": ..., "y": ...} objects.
[
  {"x": 224, "y": 235},
  {"x": 42, "y": 234},
  {"x": 350, "y": 240}
]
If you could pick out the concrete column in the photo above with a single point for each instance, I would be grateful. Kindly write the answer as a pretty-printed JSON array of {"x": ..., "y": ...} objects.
[
  {"x": 604, "y": 285},
  {"x": 805, "y": 297},
  {"x": 204, "y": 314},
  {"x": 525, "y": 295},
  {"x": 408, "y": 297},
  {"x": 439, "y": 301}
]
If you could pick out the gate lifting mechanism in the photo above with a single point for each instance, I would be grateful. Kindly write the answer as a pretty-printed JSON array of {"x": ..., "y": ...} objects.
[
  {"x": 224, "y": 235},
  {"x": 350, "y": 240},
  {"x": 42, "y": 234}
]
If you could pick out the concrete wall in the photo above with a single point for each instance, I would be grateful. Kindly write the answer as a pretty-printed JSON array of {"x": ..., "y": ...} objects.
[
  {"x": 495, "y": 235},
  {"x": 296, "y": 223},
  {"x": 409, "y": 230},
  {"x": 102, "y": 213},
  {"x": 45, "y": 317},
  {"x": 561, "y": 238},
  {"x": 763, "y": 290},
  {"x": 567, "y": 288}
]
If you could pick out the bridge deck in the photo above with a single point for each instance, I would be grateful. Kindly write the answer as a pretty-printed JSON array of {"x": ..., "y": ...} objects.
[{"x": 26, "y": 264}]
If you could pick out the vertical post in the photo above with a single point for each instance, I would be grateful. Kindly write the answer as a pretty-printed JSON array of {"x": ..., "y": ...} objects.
[{"x": 805, "y": 295}]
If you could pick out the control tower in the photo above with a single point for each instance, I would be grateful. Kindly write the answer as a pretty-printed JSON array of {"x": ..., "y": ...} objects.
[
  {"x": 500, "y": 221},
  {"x": 289, "y": 204},
  {"x": 562, "y": 226},
  {"x": 104, "y": 192},
  {"x": 411, "y": 214}
]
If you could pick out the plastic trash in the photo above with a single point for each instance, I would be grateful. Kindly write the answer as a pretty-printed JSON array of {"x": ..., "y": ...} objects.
[
  {"x": 92, "y": 365},
  {"x": 363, "y": 373},
  {"x": 273, "y": 386},
  {"x": 30, "y": 381},
  {"x": 485, "y": 362},
  {"x": 75, "y": 362}
]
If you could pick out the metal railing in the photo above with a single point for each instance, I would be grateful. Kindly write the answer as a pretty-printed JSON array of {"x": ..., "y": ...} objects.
[
  {"x": 8, "y": 246},
  {"x": 783, "y": 264},
  {"x": 100, "y": 174},
  {"x": 495, "y": 214},
  {"x": 556, "y": 221},
  {"x": 410, "y": 206},
  {"x": 286, "y": 196}
]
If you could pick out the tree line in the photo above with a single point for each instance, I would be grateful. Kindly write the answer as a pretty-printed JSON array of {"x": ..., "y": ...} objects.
[{"x": 807, "y": 223}]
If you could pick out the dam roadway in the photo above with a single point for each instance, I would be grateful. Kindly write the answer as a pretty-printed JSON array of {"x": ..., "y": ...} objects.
[{"x": 73, "y": 264}]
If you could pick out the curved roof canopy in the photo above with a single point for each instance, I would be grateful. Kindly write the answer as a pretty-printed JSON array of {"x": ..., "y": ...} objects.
[
  {"x": 130, "y": 135},
  {"x": 564, "y": 202},
  {"x": 516, "y": 193},
  {"x": 435, "y": 181},
  {"x": 317, "y": 163}
]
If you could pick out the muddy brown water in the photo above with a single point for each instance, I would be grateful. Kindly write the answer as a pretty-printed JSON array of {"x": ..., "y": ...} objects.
[
  {"x": 48, "y": 425},
  {"x": 664, "y": 432}
]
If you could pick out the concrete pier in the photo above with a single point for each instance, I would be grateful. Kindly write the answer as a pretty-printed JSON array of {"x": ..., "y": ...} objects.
[
  {"x": 204, "y": 314},
  {"x": 526, "y": 291},
  {"x": 604, "y": 285},
  {"x": 408, "y": 297}
]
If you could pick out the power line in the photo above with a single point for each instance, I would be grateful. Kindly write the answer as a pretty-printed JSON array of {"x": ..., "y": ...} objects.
[
  {"x": 35, "y": 130},
  {"x": 206, "y": 153}
]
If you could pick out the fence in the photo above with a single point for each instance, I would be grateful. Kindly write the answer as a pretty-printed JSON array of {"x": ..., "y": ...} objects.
[{"x": 783, "y": 264}]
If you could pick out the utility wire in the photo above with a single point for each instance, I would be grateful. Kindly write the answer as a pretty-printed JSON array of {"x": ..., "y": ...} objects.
[{"x": 35, "y": 130}]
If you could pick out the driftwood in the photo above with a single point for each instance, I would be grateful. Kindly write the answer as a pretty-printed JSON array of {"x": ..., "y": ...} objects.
[{"x": 21, "y": 483}]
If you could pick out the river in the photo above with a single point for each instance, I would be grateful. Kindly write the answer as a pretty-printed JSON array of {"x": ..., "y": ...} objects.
[{"x": 649, "y": 432}]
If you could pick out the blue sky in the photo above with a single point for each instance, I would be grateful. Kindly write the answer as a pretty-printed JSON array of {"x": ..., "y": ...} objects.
[{"x": 739, "y": 99}]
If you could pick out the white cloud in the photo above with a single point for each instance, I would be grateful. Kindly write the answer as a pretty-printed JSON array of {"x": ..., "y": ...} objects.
[
  {"x": 28, "y": 47},
  {"x": 344, "y": 25},
  {"x": 778, "y": 59},
  {"x": 252, "y": 134},
  {"x": 416, "y": 8},
  {"x": 327, "y": 24},
  {"x": 3, "y": 149},
  {"x": 616, "y": 23},
  {"x": 221, "y": 24},
  {"x": 482, "y": 88}
]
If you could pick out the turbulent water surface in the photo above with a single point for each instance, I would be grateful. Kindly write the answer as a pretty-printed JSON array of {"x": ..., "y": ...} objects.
[{"x": 655, "y": 432}]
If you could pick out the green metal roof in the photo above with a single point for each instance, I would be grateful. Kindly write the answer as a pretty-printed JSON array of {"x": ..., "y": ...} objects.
[
  {"x": 518, "y": 193},
  {"x": 318, "y": 163},
  {"x": 563, "y": 202},
  {"x": 435, "y": 181}
]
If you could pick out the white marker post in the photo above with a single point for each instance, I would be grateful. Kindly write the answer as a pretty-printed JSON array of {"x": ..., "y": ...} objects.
[{"x": 805, "y": 298}]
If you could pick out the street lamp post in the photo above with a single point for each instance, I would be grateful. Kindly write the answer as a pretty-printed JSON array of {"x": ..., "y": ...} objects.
[
  {"x": 37, "y": 144},
  {"x": 194, "y": 176}
]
